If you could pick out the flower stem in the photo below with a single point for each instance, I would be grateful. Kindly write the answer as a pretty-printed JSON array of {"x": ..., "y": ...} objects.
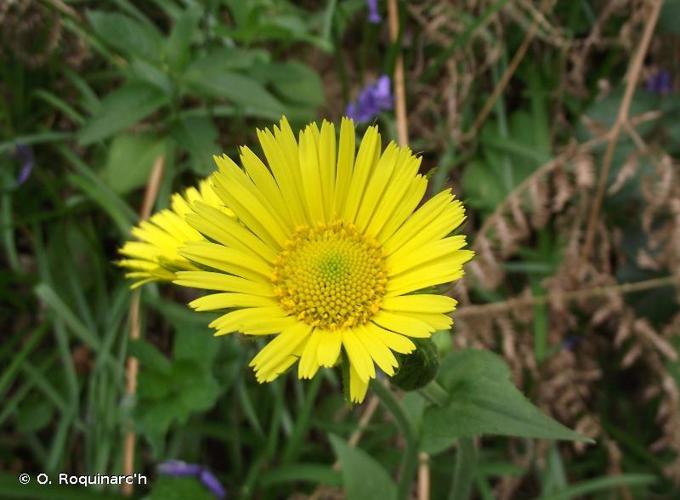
[
  {"x": 435, "y": 393},
  {"x": 409, "y": 462},
  {"x": 464, "y": 471}
]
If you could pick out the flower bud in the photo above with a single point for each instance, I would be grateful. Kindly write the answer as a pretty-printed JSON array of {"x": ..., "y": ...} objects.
[{"x": 417, "y": 369}]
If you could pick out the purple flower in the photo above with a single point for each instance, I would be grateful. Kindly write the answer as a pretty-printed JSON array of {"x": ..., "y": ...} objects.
[
  {"x": 372, "y": 100},
  {"x": 373, "y": 14},
  {"x": 212, "y": 483},
  {"x": 178, "y": 468},
  {"x": 24, "y": 154},
  {"x": 660, "y": 82}
]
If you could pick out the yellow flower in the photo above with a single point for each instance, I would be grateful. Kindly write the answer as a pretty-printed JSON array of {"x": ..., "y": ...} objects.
[
  {"x": 326, "y": 250},
  {"x": 155, "y": 256}
]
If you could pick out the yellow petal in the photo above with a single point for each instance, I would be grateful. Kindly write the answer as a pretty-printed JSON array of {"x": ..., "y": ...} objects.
[
  {"x": 217, "y": 301},
  {"x": 378, "y": 351},
  {"x": 218, "y": 226},
  {"x": 369, "y": 151},
  {"x": 422, "y": 302},
  {"x": 396, "y": 192},
  {"x": 345, "y": 166},
  {"x": 269, "y": 360},
  {"x": 309, "y": 362},
  {"x": 404, "y": 208},
  {"x": 311, "y": 177},
  {"x": 329, "y": 347},
  {"x": 396, "y": 342},
  {"x": 406, "y": 325},
  {"x": 431, "y": 274},
  {"x": 444, "y": 223},
  {"x": 208, "y": 280},
  {"x": 376, "y": 185},
  {"x": 253, "y": 321},
  {"x": 326, "y": 150},
  {"x": 358, "y": 356},
  {"x": 417, "y": 222},
  {"x": 232, "y": 185},
  {"x": 265, "y": 183},
  {"x": 285, "y": 172},
  {"x": 431, "y": 252},
  {"x": 228, "y": 260},
  {"x": 357, "y": 386}
]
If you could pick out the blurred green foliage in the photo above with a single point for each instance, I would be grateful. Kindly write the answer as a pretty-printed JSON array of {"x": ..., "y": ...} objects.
[{"x": 188, "y": 79}]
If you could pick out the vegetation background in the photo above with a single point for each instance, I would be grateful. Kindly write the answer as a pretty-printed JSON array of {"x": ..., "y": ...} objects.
[{"x": 557, "y": 122}]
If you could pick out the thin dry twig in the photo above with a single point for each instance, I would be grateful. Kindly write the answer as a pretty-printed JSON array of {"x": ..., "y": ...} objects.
[
  {"x": 621, "y": 118},
  {"x": 423, "y": 476},
  {"x": 132, "y": 368},
  {"x": 495, "y": 308},
  {"x": 399, "y": 88}
]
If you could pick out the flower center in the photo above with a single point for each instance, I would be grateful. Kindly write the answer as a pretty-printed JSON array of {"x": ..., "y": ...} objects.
[{"x": 330, "y": 276}]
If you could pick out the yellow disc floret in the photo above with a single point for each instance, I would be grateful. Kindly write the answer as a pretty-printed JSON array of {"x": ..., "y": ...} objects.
[{"x": 330, "y": 276}]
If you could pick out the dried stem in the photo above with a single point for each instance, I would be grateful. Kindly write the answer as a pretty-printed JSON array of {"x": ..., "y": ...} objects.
[
  {"x": 562, "y": 158},
  {"x": 622, "y": 117},
  {"x": 585, "y": 293},
  {"x": 423, "y": 476},
  {"x": 399, "y": 89},
  {"x": 364, "y": 420},
  {"x": 132, "y": 367}
]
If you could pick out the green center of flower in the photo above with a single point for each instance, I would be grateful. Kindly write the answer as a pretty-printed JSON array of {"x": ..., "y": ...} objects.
[{"x": 330, "y": 276}]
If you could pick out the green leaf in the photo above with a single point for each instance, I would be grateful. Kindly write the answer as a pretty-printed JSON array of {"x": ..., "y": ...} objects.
[
  {"x": 178, "y": 44},
  {"x": 120, "y": 109},
  {"x": 292, "y": 473},
  {"x": 126, "y": 35},
  {"x": 228, "y": 58},
  {"x": 483, "y": 400},
  {"x": 363, "y": 477},
  {"x": 130, "y": 160},
  {"x": 145, "y": 72},
  {"x": 195, "y": 343},
  {"x": 296, "y": 82},
  {"x": 150, "y": 358},
  {"x": 154, "y": 419},
  {"x": 214, "y": 76},
  {"x": 484, "y": 187},
  {"x": 50, "y": 298},
  {"x": 153, "y": 385},
  {"x": 668, "y": 18},
  {"x": 585, "y": 488},
  {"x": 197, "y": 135},
  {"x": 34, "y": 414},
  {"x": 200, "y": 396}
]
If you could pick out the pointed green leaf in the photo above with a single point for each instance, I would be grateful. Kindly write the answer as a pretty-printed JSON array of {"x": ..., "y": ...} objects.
[
  {"x": 120, "y": 109},
  {"x": 126, "y": 35},
  {"x": 198, "y": 136},
  {"x": 214, "y": 76},
  {"x": 363, "y": 477},
  {"x": 130, "y": 159},
  {"x": 178, "y": 44},
  {"x": 150, "y": 358},
  {"x": 483, "y": 400}
]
